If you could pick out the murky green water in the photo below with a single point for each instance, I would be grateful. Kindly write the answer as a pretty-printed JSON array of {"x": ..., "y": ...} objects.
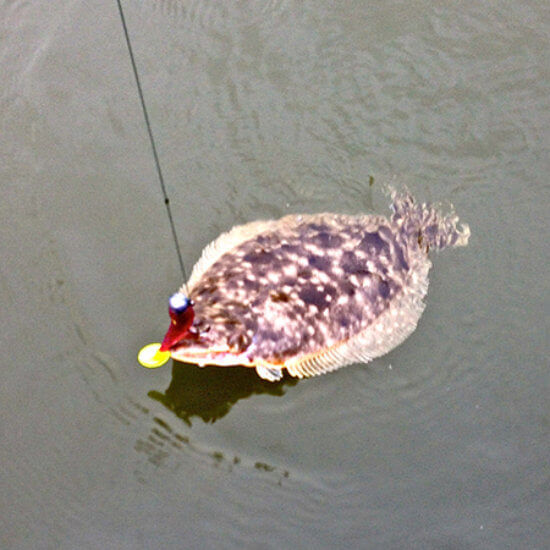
[{"x": 260, "y": 109}]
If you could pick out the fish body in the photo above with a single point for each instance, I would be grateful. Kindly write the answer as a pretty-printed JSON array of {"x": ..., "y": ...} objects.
[{"x": 312, "y": 293}]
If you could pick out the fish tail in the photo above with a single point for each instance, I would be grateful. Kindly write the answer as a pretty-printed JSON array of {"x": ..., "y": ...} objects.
[{"x": 428, "y": 223}]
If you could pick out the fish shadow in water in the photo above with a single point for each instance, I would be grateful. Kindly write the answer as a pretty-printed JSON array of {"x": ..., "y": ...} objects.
[{"x": 210, "y": 392}]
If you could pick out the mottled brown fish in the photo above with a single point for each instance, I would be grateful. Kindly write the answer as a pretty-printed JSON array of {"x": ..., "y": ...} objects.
[{"x": 310, "y": 293}]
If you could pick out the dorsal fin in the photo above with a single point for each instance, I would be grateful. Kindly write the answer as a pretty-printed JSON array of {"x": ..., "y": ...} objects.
[{"x": 328, "y": 360}]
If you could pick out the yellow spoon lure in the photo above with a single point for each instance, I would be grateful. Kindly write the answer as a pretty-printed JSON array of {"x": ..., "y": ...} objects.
[{"x": 150, "y": 357}]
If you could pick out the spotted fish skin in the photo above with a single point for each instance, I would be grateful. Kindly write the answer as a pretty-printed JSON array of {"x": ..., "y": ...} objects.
[{"x": 311, "y": 293}]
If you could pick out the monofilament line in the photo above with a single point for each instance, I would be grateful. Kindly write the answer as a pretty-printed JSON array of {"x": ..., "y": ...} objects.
[{"x": 152, "y": 140}]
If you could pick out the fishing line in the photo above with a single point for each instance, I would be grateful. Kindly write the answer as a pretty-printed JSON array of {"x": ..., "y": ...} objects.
[{"x": 152, "y": 141}]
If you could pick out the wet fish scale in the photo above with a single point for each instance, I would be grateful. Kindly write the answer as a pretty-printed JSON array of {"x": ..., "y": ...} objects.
[
  {"x": 314, "y": 292},
  {"x": 311, "y": 315}
]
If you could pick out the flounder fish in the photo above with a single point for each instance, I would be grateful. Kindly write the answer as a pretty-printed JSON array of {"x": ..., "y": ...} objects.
[{"x": 310, "y": 293}]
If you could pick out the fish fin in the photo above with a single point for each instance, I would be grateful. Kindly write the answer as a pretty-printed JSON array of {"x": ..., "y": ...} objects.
[
  {"x": 328, "y": 360},
  {"x": 269, "y": 373},
  {"x": 429, "y": 223},
  {"x": 225, "y": 242}
]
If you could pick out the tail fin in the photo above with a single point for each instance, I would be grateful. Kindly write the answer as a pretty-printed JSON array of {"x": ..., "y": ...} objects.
[{"x": 427, "y": 223}]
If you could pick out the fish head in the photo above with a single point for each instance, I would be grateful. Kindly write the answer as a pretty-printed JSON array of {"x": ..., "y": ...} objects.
[{"x": 218, "y": 336}]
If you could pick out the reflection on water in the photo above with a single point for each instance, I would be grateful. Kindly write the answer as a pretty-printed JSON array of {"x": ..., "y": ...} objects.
[
  {"x": 164, "y": 446},
  {"x": 210, "y": 392}
]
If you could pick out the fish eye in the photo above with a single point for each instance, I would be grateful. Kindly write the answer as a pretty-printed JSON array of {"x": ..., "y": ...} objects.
[{"x": 179, "y": 302}]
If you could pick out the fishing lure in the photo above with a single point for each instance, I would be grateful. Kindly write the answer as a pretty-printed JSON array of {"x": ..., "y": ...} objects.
[{"x": 309, "y": 293}]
